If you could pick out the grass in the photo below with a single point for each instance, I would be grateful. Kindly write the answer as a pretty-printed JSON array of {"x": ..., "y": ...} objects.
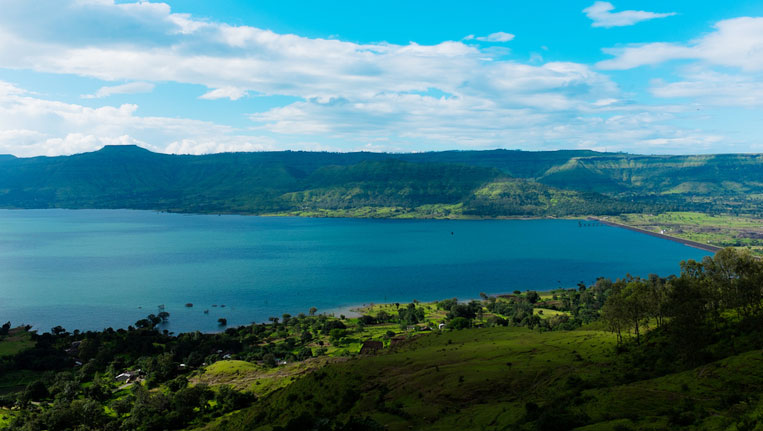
[
  {"x": 718, "y": 230},
  {"x": 422, "y": 384},
  {"x": 254, "y": 378},
  {"x": 485, "y": 378},
  {"x": 713, "y": 387},
  {"x": 6, "y": 416},
  {"x": 17, "y": 340},
  {"x": 547, "y": 312}
]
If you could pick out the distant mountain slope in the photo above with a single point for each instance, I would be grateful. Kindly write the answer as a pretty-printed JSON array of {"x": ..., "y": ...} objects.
[
  {"x": 474, "y": 183},
  {"x": 728, "y": 173}
]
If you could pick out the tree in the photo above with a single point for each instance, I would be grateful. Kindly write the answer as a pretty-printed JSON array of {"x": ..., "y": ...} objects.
[
  {"x": 635, "y": 305},
  {"x": 459, "y": 323},
  {"x": 688, "y": 309},
  {"x": 5, "y": 328},
  {"x": 533, "y": 297},
  {"x": 304, "y": 353},
  {"x": 657, "y": 299},
  {"x": 737, "y": 276},
  {"x": 336, "y": 335},
  {"x": 306, "y": 337},
  {"x": 229, "y": 399},
  {"x": 613, "y": 312},
  {"x": 269, "y": 360},
  {"x": 313, "y": 310},
  {"x": 447, "y": 304},
  {"x": 36, "y": 391}
]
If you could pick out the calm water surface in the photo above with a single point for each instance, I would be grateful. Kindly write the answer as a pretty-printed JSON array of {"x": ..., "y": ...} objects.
[{"x": 91, "y": 269}]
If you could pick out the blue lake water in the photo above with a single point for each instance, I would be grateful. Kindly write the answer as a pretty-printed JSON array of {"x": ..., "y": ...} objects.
[{"x": 91, "y": 269}]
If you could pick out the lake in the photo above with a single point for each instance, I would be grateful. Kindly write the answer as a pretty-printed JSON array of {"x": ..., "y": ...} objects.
[{"x": 91, "y": 269}]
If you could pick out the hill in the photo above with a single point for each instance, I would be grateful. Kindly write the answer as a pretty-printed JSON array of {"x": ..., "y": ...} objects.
[
  {"x": 438, "y": 184},
  {"x": 508, "y": 378}
]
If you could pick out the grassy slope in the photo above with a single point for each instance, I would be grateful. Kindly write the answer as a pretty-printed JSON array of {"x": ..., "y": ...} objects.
[
  {"x": 254, "y": 378},
  {"x": 428, "y": 382},
  {"x": 483, "y": 378},
  {"x": 17, "y": 340}
]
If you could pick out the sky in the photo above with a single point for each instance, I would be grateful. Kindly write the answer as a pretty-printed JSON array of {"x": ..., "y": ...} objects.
[{"x": 200, "y": 76}]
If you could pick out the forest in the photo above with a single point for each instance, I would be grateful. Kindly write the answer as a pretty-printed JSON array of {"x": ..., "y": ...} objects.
[{"x": 454, "y": 184}]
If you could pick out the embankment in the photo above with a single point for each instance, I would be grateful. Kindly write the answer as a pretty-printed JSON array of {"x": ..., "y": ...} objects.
[{"x": 695, "y": 244}]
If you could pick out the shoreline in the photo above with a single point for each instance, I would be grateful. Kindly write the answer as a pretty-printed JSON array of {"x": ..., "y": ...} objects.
[
  {"x": 316, "y": 215},
  {"x": 687, "y": 242}
]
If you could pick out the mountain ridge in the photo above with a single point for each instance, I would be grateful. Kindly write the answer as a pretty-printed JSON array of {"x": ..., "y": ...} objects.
[{"x": 491, "y": 183}]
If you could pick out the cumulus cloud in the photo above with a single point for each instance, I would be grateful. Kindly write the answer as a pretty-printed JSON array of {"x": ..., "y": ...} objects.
[
  {"x": 725, "y": 66},
  {"x": 230, "y": 60},
  {"x": 231, "y": 93},
  {"x": 380, "y": 95},
  {"x": 714, "y": 88},
  {"x": 736, "y": 42},
  {"x": 129, "y": 88},
  {"x": 602, "y": 16},
  {"x": 31, "y": 126}
]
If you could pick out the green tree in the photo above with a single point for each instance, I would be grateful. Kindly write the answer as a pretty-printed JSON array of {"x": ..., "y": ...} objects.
[{"x": 459, "y": 323}]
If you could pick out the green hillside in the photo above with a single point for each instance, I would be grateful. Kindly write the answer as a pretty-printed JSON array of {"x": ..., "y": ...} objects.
[
  {"x": 440, "y": 184},
  {"x": 515, "y": 378}
]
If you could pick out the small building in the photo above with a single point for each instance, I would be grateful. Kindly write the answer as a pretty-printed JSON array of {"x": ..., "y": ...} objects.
[
  {"x": 73, "y": 350},
  {"x": 370, "y": 347},
  {"x": 128, "y": 376}
]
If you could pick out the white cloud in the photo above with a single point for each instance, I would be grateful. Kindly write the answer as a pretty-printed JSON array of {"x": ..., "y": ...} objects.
[
  {"x": 230, "y": 60},
  {"x": 389, "y": 96},
  {"x": 736, "y": 42},
  {"x": 602, "y": 16},
  {"x": 31, "y": 126},
  {"x": 231, "y": 93},
  {"x": 725, "y": 66},
  {"x": 129, "y": 88},
  {"x": 497, "y": 37},
  {"x": 714, "y": 88},
  {"x": 216, "y": 145}
]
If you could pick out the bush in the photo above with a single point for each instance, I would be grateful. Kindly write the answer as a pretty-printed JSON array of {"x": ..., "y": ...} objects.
[{"x": 459, "y": 323}]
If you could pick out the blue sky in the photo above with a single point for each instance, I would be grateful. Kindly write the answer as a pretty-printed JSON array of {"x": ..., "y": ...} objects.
[{"x": 198, "y": 77}]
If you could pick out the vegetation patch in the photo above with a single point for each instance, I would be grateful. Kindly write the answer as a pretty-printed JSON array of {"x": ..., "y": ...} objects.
[
  {"x": 743, "y": 232},
  {"x": 14, "y": 341}
]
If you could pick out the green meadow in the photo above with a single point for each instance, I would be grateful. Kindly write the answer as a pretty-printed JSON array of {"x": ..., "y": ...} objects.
[{"x": 722, "y": 230}]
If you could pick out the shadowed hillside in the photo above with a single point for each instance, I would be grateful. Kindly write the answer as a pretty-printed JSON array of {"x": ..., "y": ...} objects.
[{"x": 439, "y": 184}]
